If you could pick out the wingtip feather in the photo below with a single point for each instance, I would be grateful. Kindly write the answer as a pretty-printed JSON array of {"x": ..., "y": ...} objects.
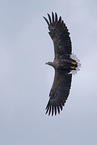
[
  {"x": 46, "y": 20},
  {"x": 52, "y": 17},
  {"x": 49, "y": 17},
  {"x": 56, "y": 17},
  {"x": 60, "y": 19}
]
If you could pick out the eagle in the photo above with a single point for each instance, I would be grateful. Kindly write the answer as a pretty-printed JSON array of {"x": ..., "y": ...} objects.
[{"x": 63, "y": 64}]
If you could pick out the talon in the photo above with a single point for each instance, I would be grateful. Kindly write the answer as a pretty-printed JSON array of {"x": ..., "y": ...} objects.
[
  {"x": 75, "y": 63},
  {"x": 73, "y": 67}
]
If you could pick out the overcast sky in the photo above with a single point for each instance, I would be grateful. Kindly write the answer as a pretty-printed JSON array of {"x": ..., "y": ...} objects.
[{"x": 25, "y": 80}]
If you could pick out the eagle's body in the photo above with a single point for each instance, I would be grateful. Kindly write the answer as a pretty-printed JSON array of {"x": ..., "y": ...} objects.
[{"x": 63, "y": 64}]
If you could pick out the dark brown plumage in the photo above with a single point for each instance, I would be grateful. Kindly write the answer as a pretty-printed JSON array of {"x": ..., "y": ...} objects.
[{"x": 63, "y": 64}]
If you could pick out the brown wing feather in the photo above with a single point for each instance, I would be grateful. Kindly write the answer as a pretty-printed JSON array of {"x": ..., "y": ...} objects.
[
  {"x": 59, "y": 34},
  {"x": 62, "y": 81},
  {"x": 59, "y": 92}
]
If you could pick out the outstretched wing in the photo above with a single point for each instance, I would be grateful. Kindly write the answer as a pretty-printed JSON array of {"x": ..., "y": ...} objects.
[
  {"x": 59, "y": 92},
  {"x": 59, "y": 34}
]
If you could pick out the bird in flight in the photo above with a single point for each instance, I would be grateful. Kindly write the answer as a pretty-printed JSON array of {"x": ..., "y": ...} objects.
[{"x": 63, "y": 64}]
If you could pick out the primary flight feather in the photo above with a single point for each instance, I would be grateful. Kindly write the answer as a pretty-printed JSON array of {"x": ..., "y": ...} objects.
[{"x": 63, "y": 64}]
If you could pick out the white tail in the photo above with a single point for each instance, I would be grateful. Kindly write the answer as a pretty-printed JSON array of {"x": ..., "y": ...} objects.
[{"x": 78, "y": 62}]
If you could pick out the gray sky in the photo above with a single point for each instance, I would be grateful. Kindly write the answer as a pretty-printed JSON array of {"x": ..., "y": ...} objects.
[{"x": 25, "y": 80}]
